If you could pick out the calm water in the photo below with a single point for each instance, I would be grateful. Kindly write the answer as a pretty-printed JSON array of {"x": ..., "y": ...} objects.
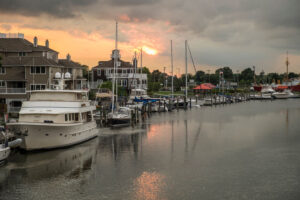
[{"x": 242, "y": 151}]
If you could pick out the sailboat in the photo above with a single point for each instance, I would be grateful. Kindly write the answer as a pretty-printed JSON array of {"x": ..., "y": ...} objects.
[{"x": 118, "y": 116}]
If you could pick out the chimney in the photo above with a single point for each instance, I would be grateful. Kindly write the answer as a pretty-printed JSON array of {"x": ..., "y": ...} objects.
[
  {"x": 35, "y": 41},
  {"x": 68, "y": 57},
  {"x": 47, "y": 43}
]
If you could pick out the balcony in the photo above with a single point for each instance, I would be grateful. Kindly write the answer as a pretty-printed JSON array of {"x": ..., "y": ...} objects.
[
  {"x": 12, "y": 90},
  {"x": 128, "y": 75}
]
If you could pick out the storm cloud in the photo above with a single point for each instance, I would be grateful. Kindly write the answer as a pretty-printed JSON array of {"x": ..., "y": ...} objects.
[
  {"x": 56, "y": 8},
  {"x": 255, "y": 26}
]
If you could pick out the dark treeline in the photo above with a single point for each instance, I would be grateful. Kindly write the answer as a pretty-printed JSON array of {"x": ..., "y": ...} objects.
[{"x": 157, "y": 79}]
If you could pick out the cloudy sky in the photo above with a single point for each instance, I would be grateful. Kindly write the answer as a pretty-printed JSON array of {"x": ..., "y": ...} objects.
[{"x": 236, "y": 33}]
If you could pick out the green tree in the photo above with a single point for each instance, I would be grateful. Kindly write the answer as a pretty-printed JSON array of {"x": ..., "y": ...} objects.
[
  {"x": 291, "y": 75},
  {"x": 228, "y": 74},
  {"x": 246, "y": 76},
  {"x": 200, "y": 77}
]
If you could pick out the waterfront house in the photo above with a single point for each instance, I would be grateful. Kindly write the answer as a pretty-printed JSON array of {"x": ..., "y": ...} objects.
[
  {"x": 29, "y": 66},
  {"x": 125, "y": 74}
]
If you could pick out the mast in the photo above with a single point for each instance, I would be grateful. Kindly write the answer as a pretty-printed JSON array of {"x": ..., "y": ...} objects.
[
  {"x": 141, "y": 60},
  {"x": 186, "y": 65},
  {"x": 287, "y": 65},
  {"x": 172, "y": 72},
  {"x": 135, "y": 71},
  {"x": 115, "y": 57}
]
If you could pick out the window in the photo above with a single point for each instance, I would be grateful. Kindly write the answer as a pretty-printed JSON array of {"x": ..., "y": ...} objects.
[
  {"x": 124, "y": 71},
  {"x": 99, "y": 72},
  {"x": 37, "y": 86},
  {"x": 2, "y": 70},
  {"x": 66, "y": 117},
  {"x": 73, "y": 116},
  {"x": 76, "y": 117},
  {"x": 22, "y": 54},
  {"x": 2, "y": 83},
  {"x": 125, "y": 82},
  {"x": 37, "y": 70},
  {"x": 70, "y": 116}
]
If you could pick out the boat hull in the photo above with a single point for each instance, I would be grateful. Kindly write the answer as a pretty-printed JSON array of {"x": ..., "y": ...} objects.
[
  {"x": 4, "y": 153},
  {"x": 115, "y": 122},
  {"x": 40, "y": 137}
]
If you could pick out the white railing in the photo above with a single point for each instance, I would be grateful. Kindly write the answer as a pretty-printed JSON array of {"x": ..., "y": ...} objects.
[
  {"x": 12, "y": 90},
  {"x": 129, "y": 75}
]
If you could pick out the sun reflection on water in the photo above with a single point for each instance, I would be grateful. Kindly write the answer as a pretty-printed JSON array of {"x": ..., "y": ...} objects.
[{"x": 149, "y": 186}]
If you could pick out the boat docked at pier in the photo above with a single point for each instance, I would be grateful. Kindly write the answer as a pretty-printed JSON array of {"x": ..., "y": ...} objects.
[{"x": 55, "y": 118}]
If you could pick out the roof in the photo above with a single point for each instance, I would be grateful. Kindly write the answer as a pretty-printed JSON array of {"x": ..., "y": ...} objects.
[
  {"x": 110, "y": 64},
  {"x": 20, "y": 45},
  {"x": 205, "y": 86},
  {"x": 28, "y": 61},
  {"x": 69, "y": 63}
]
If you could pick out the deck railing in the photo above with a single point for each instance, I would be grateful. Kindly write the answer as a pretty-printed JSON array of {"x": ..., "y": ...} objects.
[{"x": 12, "y": 90}]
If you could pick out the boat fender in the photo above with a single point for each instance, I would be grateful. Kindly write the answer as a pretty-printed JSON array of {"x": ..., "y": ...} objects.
[{"x": 15, "y": 143}]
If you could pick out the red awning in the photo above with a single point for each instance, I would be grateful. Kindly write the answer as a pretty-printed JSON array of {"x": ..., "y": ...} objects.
[
  {"x": 282, "y": 87},
  {"x": 204, "y": 86},
  {"x": 210, "y": 85}
]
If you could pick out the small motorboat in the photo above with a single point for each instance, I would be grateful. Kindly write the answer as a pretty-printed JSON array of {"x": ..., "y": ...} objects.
[{"x": 281, "y": 95}]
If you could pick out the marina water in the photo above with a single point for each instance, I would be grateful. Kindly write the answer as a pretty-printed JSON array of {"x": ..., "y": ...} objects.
[{"x": 240, "y": 151}]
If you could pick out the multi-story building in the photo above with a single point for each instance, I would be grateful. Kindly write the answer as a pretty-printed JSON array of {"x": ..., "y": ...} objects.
[
  {"x": 127, "y": 74},
  {"x": 28, "y": 66}
]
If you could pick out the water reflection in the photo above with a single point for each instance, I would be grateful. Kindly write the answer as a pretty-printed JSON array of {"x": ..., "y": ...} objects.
[
  {"x": 231, "y": 152},
  {"x": 39, "y": 166},
  {"x": 149, "y": 186}
]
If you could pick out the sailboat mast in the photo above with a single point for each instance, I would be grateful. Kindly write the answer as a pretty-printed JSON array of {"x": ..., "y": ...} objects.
[
  {"x": 135, "y": 71},
  {"x": 287, "y": 66},
  {"x": 114, "y": 74},
  {"x": 117, "y": 60},
  {"x": 186, "y": 65},
  {"x": 172, "y": 72},
  {"x": 141, "y": 60}
]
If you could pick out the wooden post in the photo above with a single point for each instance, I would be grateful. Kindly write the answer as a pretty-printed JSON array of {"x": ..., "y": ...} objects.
[
  {"x": 159, "y": 105},
  {"x": 190, "y": 103}
]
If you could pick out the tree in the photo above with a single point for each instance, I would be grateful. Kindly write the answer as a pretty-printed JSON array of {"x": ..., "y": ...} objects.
[
  {"x": 291, "y": 75},
  {"x": 228, "y": 74},
  {"x": 85, "y": 72},
  {"x": 199, "y": 77},
  {"x": 246, "y": 76}
]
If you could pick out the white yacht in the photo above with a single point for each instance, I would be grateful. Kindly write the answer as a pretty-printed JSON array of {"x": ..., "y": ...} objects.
[
  {"x": 283, "y": 95},
  {"x": 55, "y": 118}
]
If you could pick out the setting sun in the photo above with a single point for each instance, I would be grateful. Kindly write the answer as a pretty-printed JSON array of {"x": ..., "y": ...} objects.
[{"x": 149, "y": 50}]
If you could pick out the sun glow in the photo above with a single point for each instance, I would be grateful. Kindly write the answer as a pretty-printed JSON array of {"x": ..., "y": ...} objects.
[{"x": 149, "y": 51}]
